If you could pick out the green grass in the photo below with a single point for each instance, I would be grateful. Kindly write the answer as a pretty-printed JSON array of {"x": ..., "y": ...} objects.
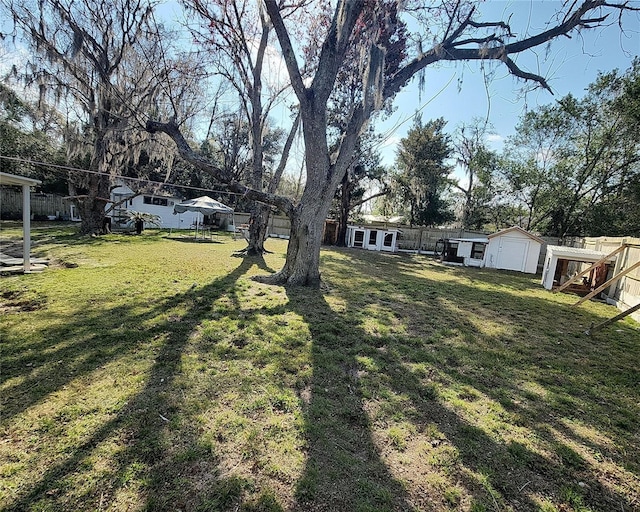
[{"x": 152, "y": 373}]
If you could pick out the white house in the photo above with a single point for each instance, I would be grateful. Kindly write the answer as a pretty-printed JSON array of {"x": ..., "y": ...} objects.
[
  {"x": 159, "y": 205},
  {"x": 513, "y": 249},
  {"x": 372, "y": 238}
]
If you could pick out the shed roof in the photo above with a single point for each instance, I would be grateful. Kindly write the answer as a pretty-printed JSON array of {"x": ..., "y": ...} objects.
[
  {"x": 13, "y": 179},
  {"x": 475, "y": 240},
  {"x": 373, "y": 228},
  {"x": 577, "y": 254},
  {"x": 516, "y": 229}
]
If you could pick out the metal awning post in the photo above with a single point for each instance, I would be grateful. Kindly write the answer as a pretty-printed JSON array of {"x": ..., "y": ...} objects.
[{"x": 26, "y": 227}]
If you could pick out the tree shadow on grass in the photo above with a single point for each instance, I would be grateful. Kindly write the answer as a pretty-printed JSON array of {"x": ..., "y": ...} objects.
[
  {"x": 471, "y": 342},
  {"x": 353, "y": 462},
  {"x": 152, "y": 438},
  {"x": 343, "y": 470}
]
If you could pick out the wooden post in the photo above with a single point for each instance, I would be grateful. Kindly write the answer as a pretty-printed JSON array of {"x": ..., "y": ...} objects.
[
  {"x": 601, "y": 325},
  {"x": 609, "y": 282},
  {"x": 599, "y": 262}
]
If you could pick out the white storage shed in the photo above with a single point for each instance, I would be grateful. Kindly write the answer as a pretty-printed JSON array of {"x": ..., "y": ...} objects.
[
  {"x": 372, "y": 238},
  {"x": 513, "y": 249}
]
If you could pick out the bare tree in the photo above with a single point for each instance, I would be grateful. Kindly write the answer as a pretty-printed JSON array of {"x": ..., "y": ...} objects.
[
  {"x": 478, "y": 163},
  {"x": 456, "y": 33},
  {"x": 237, "y": 35}
]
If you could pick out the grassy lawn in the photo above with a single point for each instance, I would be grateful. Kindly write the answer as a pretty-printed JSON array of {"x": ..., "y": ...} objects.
[{"x": 151, "y": 373}]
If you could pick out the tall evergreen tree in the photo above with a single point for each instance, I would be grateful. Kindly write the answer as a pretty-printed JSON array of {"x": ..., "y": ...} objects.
[{"x": 422, "y": 173}]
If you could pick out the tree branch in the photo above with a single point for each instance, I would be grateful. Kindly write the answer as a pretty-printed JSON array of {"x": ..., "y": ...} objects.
[
  {"x": 288, "y": 53},
  {"x": 447, "y": 49},
  {"x": 275, "y": 181},
  {"x": 516, "y": 71},
  {"x": 366, "y": 199},
  {"x": 203, "y": 164}
]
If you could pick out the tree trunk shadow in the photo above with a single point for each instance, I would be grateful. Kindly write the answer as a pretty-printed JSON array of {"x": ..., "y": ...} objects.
[
  {"x": 153, "y": 448},
  {"x": 344, "y": 470}
]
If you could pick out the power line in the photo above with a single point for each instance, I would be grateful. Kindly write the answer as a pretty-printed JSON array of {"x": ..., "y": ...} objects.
[
  {"x": 141, "y": 180},
  {"x": 389, "y": 133}
]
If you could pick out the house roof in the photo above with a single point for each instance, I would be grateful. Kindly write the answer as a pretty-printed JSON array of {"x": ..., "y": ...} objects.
[
  {"x": 124, "y": 189},
  {"x": 516, "y": 229},
  {"x": 13, "y": 179}
]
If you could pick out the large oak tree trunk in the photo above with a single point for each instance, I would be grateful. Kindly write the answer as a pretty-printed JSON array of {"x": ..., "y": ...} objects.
[
  {"x": 92, "y": 214},
  {"x": 92, "y": 206},
  {"x": 302, "y": 265}
]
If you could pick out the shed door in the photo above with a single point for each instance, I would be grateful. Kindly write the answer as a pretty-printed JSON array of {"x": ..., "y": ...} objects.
[
  {"x": 372, "y": 243},
  {"x": 358, "y": 238},
  {"x": 388, "y": 242},
  {"x": 512, "y": 254}
]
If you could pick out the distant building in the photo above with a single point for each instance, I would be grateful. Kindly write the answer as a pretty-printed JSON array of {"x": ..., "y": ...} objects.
[
  {"x": 372, "y": 238},
  {"x": 160, "y": 205},
  {"x": 510, "y": 249}
]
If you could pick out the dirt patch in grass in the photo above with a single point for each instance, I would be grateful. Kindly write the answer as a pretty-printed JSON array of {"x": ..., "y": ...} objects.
[{"x": 20, "y": 301}]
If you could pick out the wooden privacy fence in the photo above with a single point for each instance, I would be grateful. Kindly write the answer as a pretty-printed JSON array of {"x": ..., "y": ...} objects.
[
  {"x": 42, "y": 205},
  {"x": 279, "y": 226},
  {"x": 411, "y": 239}
]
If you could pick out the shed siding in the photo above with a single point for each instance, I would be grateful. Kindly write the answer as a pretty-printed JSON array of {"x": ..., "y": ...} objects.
[{"x": 526, "y": 260}]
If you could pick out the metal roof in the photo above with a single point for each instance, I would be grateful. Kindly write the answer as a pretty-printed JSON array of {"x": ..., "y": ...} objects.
[
  {"x": 475, "y": 240},
  {"x": 13, "y": 179},
  {"x": 577, "y": 254}
]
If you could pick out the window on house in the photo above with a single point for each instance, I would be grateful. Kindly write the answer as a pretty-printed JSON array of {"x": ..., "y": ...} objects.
[
  {"x": 477, "y": 251},
  {"x": 373, "y": 237},
  {"x": 358, "y": 239},
  {"x": 388, "y": 240},
  {"x": 158, "y": 201}
]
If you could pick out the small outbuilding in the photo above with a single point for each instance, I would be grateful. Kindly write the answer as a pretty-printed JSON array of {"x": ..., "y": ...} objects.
[
  {"x": 562, "y": 262},
  {"x": 372, "y": 238},
  {"x": 513, "y": 249},
  {"x": 465, "y": 251}
]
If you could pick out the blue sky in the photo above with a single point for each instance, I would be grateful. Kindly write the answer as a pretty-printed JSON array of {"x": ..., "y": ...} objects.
[{"x": 457, "y": 91}]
